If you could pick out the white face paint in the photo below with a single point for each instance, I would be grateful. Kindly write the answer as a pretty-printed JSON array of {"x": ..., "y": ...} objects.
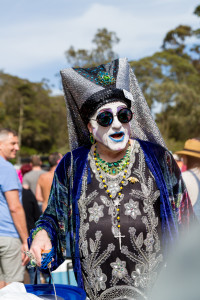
[{"x": 116, "y": 136}]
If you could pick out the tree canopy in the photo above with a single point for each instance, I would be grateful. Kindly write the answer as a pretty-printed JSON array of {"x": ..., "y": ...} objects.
[
  {"x": 104, "y": 41},
  {"x": 173, "y": 83},
  {"x": 169, "y": 79},
  {"x": 39, "y": 118}
]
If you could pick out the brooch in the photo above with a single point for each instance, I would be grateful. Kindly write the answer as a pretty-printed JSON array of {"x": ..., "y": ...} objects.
[{"x": 133, "y": 179}]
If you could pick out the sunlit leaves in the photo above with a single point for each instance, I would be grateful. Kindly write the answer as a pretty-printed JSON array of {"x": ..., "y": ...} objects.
[
  {"x": 104, "y": 41},
  {"x": 43, "y": 117}
]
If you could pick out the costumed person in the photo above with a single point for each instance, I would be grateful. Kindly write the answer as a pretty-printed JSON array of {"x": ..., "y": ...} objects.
[
  {"x": 191, "y": 159},
  {"x": 119, "y": 192}
]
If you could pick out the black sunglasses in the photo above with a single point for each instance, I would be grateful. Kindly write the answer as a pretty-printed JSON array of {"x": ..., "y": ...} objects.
[{"x": 105, "y": 118}]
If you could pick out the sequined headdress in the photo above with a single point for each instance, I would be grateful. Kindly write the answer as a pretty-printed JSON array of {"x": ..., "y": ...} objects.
[{"x": 87, "y": 89}]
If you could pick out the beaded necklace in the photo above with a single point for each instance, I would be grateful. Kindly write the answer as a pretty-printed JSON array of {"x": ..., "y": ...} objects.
[
  {"x": 113, "y": 168},
  {"x": 117, "y": 200}
]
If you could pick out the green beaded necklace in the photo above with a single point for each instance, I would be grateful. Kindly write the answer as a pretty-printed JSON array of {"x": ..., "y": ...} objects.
[{"x": 113, "y": 168}]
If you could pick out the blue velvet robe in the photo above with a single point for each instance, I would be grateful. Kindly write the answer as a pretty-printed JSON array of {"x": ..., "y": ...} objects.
[{"x": 61, "y": 218}]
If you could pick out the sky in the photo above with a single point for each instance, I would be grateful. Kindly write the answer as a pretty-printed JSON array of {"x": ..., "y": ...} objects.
[{"x": 34, "y": 34}]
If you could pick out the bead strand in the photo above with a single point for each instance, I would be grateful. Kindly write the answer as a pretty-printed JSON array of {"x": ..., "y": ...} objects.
[
  {"x": 105, "y": 185},
  {"x": 113, "y": 168}
]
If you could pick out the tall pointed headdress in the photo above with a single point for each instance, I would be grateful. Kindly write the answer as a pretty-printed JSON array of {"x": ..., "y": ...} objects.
[{"x": 87, "y": 89}]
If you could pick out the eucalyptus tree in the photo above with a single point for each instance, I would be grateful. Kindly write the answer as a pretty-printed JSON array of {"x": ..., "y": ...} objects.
[{"x": 104, "y": 42}]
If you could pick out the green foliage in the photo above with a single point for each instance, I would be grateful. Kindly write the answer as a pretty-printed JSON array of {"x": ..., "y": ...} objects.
[
  {"x": 197, "y": 11},
  {"x": 173, "y": 82},
  {"x": 38, "y": 117},
  {"x": 104, "y": 41},
  {"x": 27, "y": 151},
  {"x": 171, "y": 79},
  {"x": 175, "y": 38}
]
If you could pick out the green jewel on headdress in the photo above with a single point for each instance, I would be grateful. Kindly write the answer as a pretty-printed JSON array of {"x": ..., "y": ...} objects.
[{"x": 105, "y": 78}]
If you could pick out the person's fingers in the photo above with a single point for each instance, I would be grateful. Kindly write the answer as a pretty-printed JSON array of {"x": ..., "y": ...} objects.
[
  {"x": 36, "y": 251},
  {"x": 40, "y": 243},
  {"x": 25, "y": 258},
  {"x": 25, "y": 261},
  {"x": 23, "y": 255}
]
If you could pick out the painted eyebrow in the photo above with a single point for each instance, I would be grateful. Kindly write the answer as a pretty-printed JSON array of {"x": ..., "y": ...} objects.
[
  {"x": 120, "y": 107},
  {"x": 105, "y": 109},
  {"x": 110, "y": 110}
]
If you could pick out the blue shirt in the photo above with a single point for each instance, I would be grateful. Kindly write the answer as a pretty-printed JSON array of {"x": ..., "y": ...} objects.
[{"x": 8, "y": 181}]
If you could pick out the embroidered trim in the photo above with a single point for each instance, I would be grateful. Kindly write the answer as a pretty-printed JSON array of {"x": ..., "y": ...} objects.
[
  {"x": 39, "y": 229},
  {"x": 36, "y": 231}
]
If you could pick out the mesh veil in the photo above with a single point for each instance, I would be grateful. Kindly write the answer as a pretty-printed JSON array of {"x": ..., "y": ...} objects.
[{"x": 80, "y": 84}]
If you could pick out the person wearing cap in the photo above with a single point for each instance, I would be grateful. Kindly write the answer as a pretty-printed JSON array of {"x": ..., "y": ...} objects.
[
  {"x": 191, "y": 158},
  {"x": 118, "y": 193}
]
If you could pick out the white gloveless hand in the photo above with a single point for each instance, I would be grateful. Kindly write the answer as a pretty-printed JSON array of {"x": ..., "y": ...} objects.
[{"x": 40, "y": 243}]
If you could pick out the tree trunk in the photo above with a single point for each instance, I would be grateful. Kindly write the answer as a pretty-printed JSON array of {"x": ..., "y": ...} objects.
[{"x": 20, "y": 127}]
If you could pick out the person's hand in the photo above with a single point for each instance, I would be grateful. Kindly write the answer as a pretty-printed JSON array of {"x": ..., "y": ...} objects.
[
  {"x": 25, "y": 258},
  {"x": 40, "y": 243}
]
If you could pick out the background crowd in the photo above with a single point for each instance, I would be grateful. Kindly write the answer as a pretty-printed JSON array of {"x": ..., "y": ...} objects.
[{"x": 23, "y": 197}]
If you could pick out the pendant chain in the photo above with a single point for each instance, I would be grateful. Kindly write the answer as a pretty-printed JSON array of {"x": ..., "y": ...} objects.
[{"x": 118, "y": 196}]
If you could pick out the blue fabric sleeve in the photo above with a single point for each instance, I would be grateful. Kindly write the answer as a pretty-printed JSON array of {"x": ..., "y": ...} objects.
[
  {"x": 55, "y": 220},
  {"x": 9, "y": 179}
]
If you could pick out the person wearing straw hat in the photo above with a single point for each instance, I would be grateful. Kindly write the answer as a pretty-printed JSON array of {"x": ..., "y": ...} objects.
[
  {"x": 118, "y": 193},
  {"x": 191, "y": 158}
]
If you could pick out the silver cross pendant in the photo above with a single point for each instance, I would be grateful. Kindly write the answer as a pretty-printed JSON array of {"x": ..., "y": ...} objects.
[{"x": 119, "y": 236}]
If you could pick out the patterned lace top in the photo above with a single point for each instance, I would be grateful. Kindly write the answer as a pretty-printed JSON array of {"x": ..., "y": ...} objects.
[{"x": 108, "y": 271}]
